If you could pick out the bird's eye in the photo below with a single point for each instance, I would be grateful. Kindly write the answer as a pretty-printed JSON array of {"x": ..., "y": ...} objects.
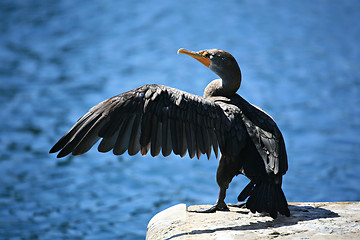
[{"x": 205, "y": 54}]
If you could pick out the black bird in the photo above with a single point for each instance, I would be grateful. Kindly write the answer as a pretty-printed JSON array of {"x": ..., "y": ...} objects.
[{"x": 159, "y": 118}]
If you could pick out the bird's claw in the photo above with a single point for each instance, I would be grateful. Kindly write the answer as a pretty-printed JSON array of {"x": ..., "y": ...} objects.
[{"x": 216, "y": 207}]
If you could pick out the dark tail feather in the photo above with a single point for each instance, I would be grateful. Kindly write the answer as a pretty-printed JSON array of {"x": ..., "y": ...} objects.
[
  {"x": 246, "y": 191},
  {"x": 265, "y": 197}
]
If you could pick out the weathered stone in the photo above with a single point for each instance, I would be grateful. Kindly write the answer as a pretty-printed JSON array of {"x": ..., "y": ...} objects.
[{"x": 325, "y": 220}]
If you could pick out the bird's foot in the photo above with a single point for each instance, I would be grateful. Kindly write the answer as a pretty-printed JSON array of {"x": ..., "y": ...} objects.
[
  {"x": 238, "y": 205},
  {"x": 217, "y": 207}
]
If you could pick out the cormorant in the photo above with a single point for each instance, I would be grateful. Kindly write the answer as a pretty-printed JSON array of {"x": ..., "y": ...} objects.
[{"x": 160, "y": 118}]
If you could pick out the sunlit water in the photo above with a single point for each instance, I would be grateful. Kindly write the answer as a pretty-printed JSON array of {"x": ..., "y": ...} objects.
[{"x": 300, "y": 62}]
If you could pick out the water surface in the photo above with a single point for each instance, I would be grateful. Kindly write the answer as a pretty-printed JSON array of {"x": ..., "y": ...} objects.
[{"x": 300, "y": 62}]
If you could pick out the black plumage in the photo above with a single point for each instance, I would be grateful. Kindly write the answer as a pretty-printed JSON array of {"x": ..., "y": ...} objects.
[{"x": 161, "y": 119}]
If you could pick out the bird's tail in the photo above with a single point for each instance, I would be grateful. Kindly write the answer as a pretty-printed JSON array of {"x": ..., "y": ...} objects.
[{"x": 265, "y": 196}]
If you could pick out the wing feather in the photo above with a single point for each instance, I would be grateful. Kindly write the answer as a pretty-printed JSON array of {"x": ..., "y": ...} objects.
[
  {"x": 180, "y": 128},
  {"x": 190, "y": 139},
  {"x": 69, "y": 135},
  {"x": 78, "y": 135},
  {"x": 167, "y": 145},
  {"x": 91, "y": 137},
  {"x": 152, "y": 117},
  {"x": 155, "y": 136},
  {"x": 122, "y": 142},
  {"x": 134, "y": 141},
  {"x": 265, "y": 135},
  {"x": 108, "y": 143}
]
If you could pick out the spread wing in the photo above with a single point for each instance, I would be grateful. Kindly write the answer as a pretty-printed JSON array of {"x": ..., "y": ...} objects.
[
  {"x": 151, "y": 117},
  {"x": 265, "y": 135}
]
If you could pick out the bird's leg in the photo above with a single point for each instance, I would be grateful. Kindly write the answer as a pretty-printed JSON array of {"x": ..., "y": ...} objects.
[
  {"x": 220, "y": 204},
  {"x": 227, "y": 169}
]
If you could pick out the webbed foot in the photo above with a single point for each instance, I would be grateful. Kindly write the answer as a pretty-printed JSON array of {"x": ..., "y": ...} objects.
[{"x": 216, "y": 207}]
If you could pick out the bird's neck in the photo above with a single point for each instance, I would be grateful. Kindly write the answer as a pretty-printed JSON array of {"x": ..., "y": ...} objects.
[
  {"x": 223, "y": 87},
  {"x": 229, "y": 82}
]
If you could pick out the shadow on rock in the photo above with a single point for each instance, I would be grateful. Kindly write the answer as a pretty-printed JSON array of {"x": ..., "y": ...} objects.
[{"x": 298, "y": 214}]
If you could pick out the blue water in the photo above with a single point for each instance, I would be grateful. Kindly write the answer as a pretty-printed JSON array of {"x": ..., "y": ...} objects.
[{"x": 300, "y": 62}]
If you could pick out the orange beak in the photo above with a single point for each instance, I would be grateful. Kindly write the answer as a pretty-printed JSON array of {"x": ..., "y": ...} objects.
[{"x": 198, "y": 56}]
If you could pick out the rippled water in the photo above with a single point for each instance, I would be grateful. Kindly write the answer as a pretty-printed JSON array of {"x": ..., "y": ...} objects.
[{"x": 300, "y": 62}]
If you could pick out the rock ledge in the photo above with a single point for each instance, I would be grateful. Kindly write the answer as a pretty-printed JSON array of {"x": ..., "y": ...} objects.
[{"x": 320, "y": 220}]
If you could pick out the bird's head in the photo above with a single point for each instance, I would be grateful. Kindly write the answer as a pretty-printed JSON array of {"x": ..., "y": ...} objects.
[{"x": 220, "y": 62}]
